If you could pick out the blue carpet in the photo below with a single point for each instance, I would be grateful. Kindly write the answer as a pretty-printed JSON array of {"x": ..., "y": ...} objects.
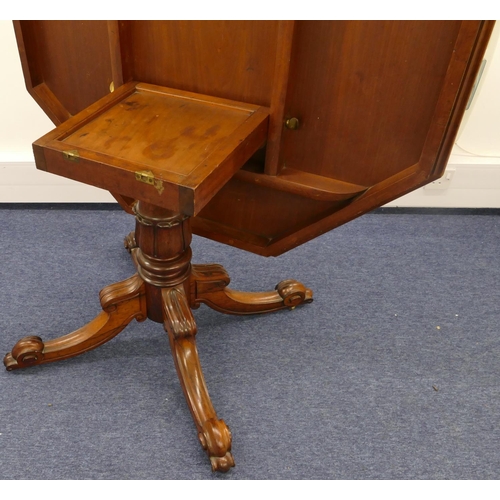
[{"x": 391, "y": 373}]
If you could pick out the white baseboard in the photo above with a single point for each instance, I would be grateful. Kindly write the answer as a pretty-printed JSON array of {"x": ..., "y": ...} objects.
[
  {"x": 21, "y": 182},
  {"x": 472, "y": 186}
]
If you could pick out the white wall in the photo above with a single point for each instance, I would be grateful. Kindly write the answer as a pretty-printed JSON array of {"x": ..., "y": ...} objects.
[
  {"x": 474, "y": 164},
  {"x": 22, "y": 122}
]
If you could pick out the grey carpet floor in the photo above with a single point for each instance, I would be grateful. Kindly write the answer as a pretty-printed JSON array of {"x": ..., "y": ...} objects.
[{"x": 391, "y": 373}]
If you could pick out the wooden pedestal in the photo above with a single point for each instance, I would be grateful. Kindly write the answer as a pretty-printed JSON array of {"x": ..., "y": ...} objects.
[{"x": 165, "y": 289}]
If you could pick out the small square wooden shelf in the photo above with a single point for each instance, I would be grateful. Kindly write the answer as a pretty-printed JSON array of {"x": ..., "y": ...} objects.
[{"x": 172, "y": 148}]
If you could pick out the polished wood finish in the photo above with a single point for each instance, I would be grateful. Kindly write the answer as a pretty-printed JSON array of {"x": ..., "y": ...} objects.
[
  {"x": 304, "y": 184},
  {"x": 209, "y": 285},
  {"x": 258, "y": 134},
  {"x": 165, "y": 289},
  {"x": 361, "y": 99},
  {"x": 278, "y": 95},
  {"x": 190, "y": 144},
  {"x": 121, "y": 303},
  {"x": 199, "y": 56},
  {"x": 72, "y": 67},
  {"x": 375, "y": 101},
  {"x": 214, "y": 434}
]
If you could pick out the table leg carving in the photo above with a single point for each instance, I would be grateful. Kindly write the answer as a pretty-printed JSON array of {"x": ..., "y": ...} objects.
[
  {"x": 165, "y": 289},
  {"x": 130, "y": 243},
  {"x": 209, "y": 286},
  {"x": 121, "y": 303},
  {"x": 214, "y": 435}
]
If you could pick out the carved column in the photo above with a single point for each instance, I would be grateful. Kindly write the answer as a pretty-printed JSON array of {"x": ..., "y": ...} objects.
[{"x": 163, "y": 255}]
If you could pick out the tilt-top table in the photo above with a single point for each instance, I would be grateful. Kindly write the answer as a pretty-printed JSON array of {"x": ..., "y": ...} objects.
[{"x": 258, "y": 134}]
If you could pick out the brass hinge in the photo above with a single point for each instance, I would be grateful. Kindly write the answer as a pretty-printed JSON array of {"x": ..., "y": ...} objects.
[
  {"x": 148, "y": 177},
  {"x": 72, "y": 155}
]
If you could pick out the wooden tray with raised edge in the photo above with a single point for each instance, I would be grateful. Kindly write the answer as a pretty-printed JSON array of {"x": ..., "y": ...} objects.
[{"x": 172, "y": 148}]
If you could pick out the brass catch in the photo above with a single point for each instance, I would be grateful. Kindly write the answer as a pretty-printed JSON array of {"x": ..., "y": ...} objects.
[
  {"x": 72, "y": 155},
  {"x": 148, "y": 177}
]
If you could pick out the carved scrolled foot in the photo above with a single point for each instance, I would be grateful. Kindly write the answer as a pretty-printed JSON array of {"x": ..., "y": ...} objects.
[
  {"x": 293, "y": 293},
  {"x": 121, "y": 303},
  {"x": 214, "y": 434},
  {"x": 222, "y": 464},
  {"x": 215, "y": 439},
  {"x": 209, "y": 286},
  {"x": 27, "y": 352}
]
